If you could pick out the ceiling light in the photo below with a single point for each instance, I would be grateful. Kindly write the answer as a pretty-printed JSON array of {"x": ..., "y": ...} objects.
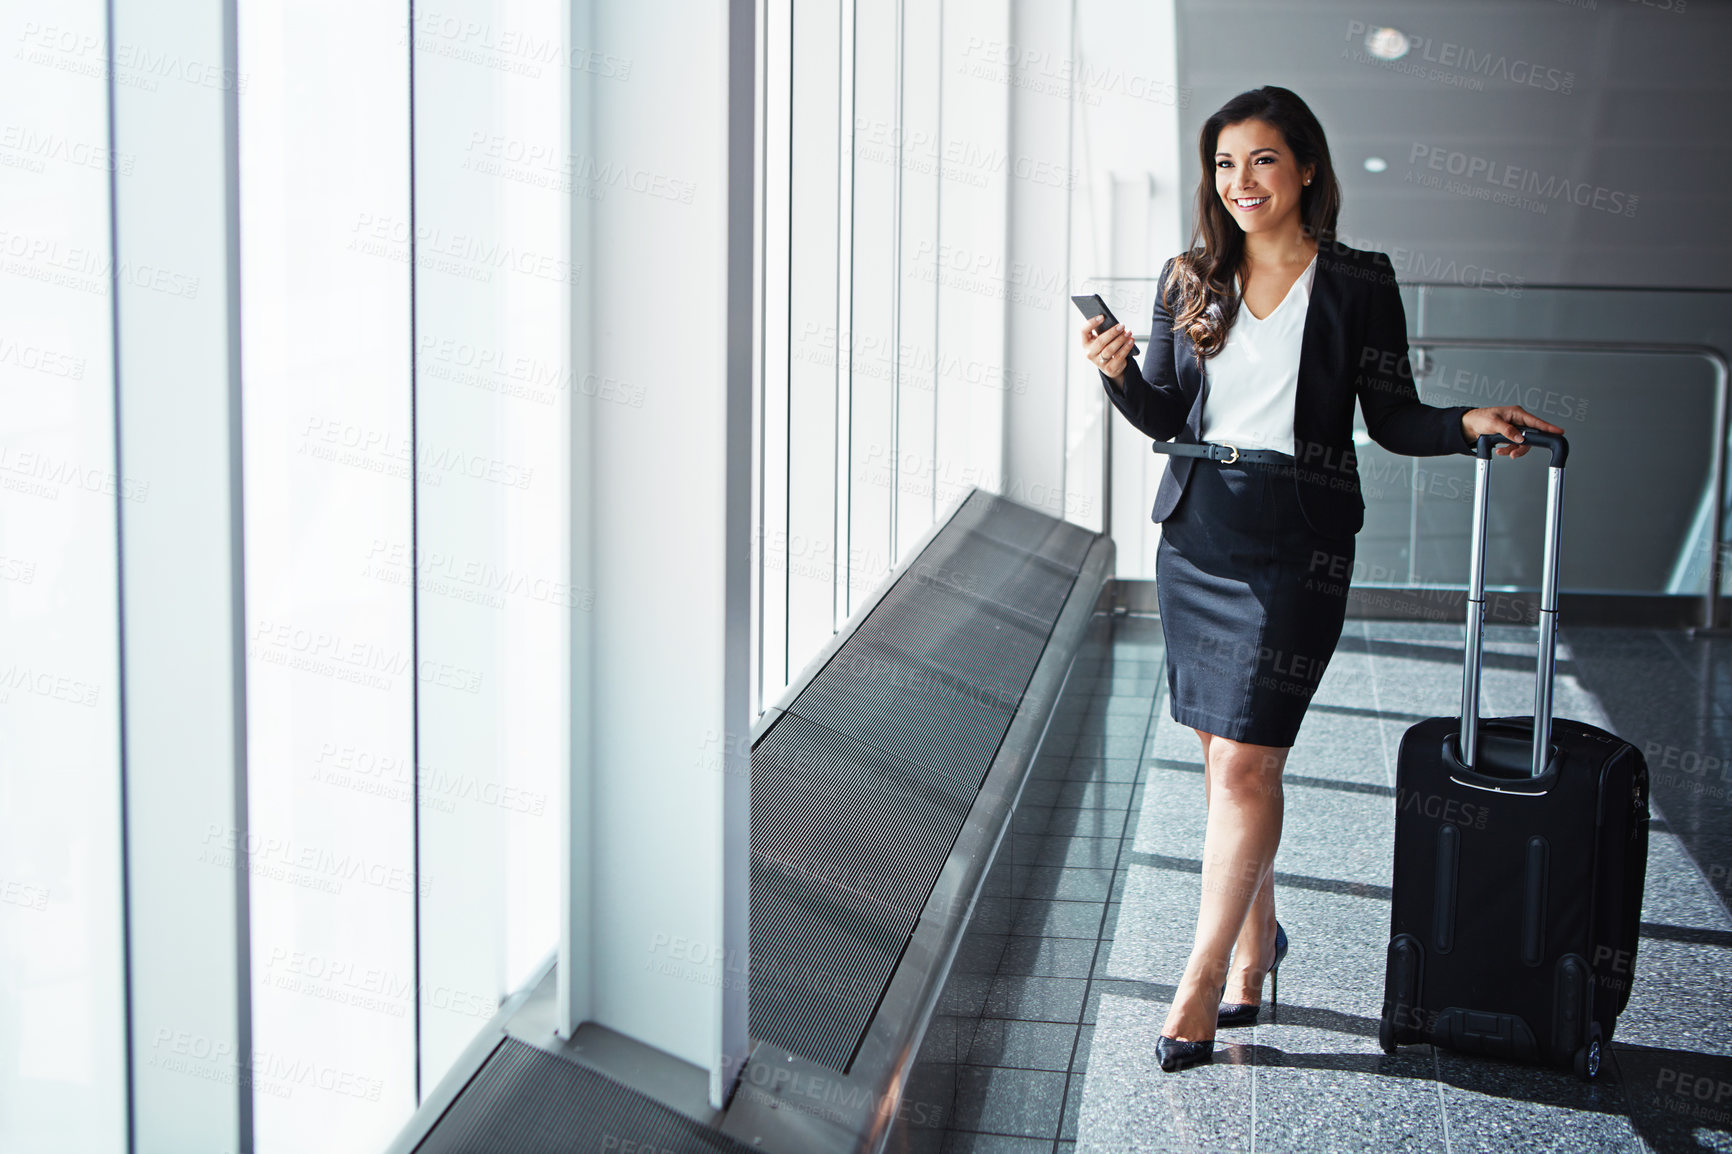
[
  {"x": 1375, "y": 164},
  {"x": 1386, "y": 43}
]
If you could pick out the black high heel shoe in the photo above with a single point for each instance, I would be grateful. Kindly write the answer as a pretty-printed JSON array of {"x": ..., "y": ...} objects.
[
  {"x": 1178, "y": 1054},
  {"x": 1245, "y": 1013}
]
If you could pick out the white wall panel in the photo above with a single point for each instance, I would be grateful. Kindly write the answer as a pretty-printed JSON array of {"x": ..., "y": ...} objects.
[
  {"x": 870, "y": 336},
  {"x": 178, "y": 367},
  {"x": 62, "y": 1017},
  {"x": 776, "y": 565},
  {"x": 1047, "y": 455},
  {"x": 1128, "y": 211},
  {"x": 816, "y": 319},
  {"x": 968, "y": 259},
  {"x": 325, "y": 243},
  {"x": 495, "y": 383},
  {"x": 666, "y": 670},
  {"x": 919, "y": 349}
]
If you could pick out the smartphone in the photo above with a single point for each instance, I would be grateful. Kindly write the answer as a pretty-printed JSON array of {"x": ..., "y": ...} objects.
[{"x": 1093, "y": 306}]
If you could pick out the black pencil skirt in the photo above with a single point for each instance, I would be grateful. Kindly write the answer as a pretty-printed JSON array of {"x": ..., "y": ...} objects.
[{"x": 1252, "y": 602}]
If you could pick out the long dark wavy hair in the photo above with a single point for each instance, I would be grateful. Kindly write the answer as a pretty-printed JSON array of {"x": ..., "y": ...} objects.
[{"x": 1201, "y": 294}]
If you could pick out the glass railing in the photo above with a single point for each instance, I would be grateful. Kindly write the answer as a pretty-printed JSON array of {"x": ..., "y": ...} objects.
[{"x": 1637, "y": 378}]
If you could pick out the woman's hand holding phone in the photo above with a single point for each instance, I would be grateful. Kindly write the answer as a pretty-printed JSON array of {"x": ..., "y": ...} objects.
[{"x": 1108, "y": 351}]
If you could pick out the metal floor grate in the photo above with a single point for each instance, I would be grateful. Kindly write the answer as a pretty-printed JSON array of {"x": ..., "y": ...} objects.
[
  {"x": 860, "y": 788},
  {"x": 527, "y": 1101}
]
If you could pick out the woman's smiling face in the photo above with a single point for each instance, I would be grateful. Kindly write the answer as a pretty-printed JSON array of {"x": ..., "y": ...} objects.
[{"x": 1256, "y": 176}]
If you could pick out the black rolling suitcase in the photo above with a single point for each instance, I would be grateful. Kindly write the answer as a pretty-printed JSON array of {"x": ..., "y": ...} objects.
[{"x": 1519, "y": 863}]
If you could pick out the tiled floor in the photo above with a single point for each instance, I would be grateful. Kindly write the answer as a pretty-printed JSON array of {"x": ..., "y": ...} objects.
[{"x": 1045, "y": 1037}]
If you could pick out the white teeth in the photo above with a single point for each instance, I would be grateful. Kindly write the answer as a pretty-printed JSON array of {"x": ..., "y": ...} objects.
[{"x": 1250, "y": 203}]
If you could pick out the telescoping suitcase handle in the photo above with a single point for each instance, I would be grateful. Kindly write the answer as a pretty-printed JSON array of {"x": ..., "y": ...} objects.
[{"x": 1548, "y": 642}]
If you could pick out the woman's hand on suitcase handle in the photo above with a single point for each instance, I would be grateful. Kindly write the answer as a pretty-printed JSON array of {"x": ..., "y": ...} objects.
[
  {"x": 1108, "y": 351},
  {"x": 1504, "y": 420}
]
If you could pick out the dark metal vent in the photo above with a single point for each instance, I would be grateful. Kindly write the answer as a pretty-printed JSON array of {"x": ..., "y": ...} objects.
[
  {"x": 978, "y": 642},
  {"x": 527, "y": 1101},
  {"x": 860, "y": 789},
  {"x": 822, "y": 955},
  {"x": 975, "y": 563},
  {"x": 859, "y": 818},
  {"x": 919, "y": 711},
  {"x": 1023, "y": 528}
]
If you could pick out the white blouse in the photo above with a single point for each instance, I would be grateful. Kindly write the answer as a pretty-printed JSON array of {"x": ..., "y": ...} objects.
[{"x": 1252, "y": 381}]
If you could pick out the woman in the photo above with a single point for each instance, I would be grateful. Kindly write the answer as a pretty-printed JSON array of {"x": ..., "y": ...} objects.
[{"x": 1264, "y": 334}]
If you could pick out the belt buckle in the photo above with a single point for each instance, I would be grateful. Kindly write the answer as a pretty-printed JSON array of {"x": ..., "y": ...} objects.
[{"x": 1234, "y": 457}]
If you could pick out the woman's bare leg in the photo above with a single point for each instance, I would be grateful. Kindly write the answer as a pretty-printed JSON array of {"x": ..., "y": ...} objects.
[
  {"x": 1244, "y": 797},
  {"x": 1254, "y": 951}
]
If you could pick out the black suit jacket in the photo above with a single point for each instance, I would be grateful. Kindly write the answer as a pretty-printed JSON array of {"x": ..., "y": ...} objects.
[{"x": 1354, "y": 346}]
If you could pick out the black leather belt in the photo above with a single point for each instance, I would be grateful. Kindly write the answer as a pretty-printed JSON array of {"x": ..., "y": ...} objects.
[{"x": 1226, "y": 454}]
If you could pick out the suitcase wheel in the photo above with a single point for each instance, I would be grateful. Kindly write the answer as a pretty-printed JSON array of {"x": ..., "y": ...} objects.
[
  {"x": 1386, "y": 1035},
  {"x": 1588, "y": 1057}
]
